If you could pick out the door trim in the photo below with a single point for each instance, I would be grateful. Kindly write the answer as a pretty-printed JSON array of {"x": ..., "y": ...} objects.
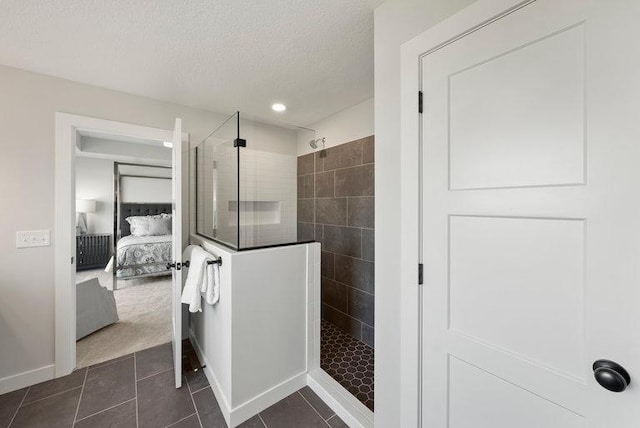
[
  {"x": 66, "y": 132},
  {"x": 465, "y": 22}
]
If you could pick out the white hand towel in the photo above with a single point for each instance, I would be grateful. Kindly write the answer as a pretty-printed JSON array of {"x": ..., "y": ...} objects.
[
  {"x": 213, "y": 284},
  {"x": 195, "y": 277}
]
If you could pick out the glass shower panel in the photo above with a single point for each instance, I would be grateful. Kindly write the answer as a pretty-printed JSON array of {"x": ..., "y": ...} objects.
[
  {"x": 268, "y": 208},
  {"x": 251, "y": 191},
  {"x": 217, "y": 184}
]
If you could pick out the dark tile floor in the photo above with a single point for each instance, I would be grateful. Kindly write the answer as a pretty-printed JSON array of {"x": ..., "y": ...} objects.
[
  {"x": 138, "y": 390},
  {"x": 348, "y": 361}
]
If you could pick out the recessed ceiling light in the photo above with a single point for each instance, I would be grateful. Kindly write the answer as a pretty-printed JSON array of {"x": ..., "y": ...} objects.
[
  {"x": 167, "y": 144},
  {"x": 279, "y": 107}
]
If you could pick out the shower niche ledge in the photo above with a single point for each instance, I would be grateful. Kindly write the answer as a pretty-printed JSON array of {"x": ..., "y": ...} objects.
[{"x": 255, "y": 213}]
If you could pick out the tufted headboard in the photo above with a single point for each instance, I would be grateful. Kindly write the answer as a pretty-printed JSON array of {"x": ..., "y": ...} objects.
[{"x": 128, "y": 209}]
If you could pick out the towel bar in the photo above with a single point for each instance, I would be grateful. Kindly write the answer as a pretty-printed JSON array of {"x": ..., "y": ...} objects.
[{"x": 218, "y": 262}]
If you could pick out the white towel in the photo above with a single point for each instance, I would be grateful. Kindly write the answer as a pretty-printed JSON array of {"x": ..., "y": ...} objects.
[
  {"x": 212, "y": 293},
  {"x": 195, "y": 277}
]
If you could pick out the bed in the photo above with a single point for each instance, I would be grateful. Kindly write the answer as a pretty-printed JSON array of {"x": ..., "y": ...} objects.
[{"x": 139, "y": 256}]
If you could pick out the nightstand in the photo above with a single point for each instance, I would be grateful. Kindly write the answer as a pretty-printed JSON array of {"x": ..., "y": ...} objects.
[{"x": 92, "y": 251}]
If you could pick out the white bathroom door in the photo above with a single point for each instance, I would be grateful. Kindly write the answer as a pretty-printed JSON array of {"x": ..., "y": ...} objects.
[
  {"x": 531, "y": 244},
  {"x": 176, "y": 246}
]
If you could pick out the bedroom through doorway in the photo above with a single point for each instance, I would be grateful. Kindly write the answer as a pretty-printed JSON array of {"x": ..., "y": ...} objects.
[{"x": 123, "y": 238}]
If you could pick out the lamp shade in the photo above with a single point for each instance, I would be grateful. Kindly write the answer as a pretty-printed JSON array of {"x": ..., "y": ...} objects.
[{"x": 85, "y": 206}]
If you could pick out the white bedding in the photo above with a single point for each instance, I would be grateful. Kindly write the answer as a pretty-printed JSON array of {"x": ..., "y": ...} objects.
[
  {"x": 140, "y": 255},
  {"x": 137, "y": 240}
]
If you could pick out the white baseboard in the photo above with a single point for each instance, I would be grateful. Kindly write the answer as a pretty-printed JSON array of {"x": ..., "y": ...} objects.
[
  {"x": 234, "y": 416},
  {"x": 252, "y": 407},
  {"x": 347, "y": 407},
  {"x": 224, "y": 404},
  {"x": 28, "y": 378}
]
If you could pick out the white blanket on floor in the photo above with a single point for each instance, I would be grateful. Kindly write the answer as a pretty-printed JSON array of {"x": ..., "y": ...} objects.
[{"x": 95, "y": 307}]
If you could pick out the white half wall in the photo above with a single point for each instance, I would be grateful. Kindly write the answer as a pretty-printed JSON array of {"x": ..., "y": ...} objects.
[
  {"x": 347, "y": 125},
  {"x": 27, "y": 107},
  {"x": 395, "y": 23},
  {"x": 257, "y": 340}
]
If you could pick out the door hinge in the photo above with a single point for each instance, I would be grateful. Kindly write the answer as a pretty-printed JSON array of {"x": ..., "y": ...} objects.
[
  {"x": 420, "y": 273},
  {"x": 239, "y": 142},
  {"x": 419, "y": 101}
]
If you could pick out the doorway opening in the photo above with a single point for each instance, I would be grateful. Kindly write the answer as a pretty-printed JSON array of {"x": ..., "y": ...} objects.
[
  {"x": 123, "y": 245},
  {"x": 108, "y": 175}
]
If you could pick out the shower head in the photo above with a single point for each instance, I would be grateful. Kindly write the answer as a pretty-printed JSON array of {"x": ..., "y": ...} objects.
[{"x": 314, "y": 143}]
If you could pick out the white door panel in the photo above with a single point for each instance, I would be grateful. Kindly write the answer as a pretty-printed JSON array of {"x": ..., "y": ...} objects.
[
  {"x": 482, "y": 399},
  {"x": 176, "y": 305},
  {"x": 502, "y": 273},
  {"x": 518, "y": 119},
  {"x": 531, "y": 235}
]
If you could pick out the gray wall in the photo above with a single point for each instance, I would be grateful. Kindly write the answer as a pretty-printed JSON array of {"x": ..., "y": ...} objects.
[{"x": 338, "y": 184}]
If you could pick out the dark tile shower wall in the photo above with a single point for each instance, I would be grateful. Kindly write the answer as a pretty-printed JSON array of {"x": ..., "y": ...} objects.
[{"x": 336, "y": 208}]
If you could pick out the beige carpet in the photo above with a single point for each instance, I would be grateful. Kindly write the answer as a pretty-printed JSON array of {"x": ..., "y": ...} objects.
[{"x": 144, "y": 310}]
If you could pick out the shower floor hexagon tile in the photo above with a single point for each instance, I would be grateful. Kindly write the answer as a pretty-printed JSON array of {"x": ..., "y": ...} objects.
[
  {"x": 137, "y": 390},
  {"x": 348, "y": 361}
]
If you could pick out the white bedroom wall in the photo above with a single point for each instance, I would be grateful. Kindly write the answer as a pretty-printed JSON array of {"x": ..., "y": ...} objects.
[
  {"x": 395, "y": 22},
  {"x": 145, "y": 190},
  {"x": 94, "y": 180},
  {"x": 27, "y": 108}
]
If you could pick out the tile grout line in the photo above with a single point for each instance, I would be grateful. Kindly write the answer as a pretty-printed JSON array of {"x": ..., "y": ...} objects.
[
  {"x": 371, "y": 348},
  {"x": 195, "y": 408},
  {"x": 182, "y": 420},
  {"x": 102, "y": 411},
  {"x": 155, "y": 374},
  {"x": 19, "y": 406},
  {"x": 314, "y": 409},
  {"x": 108, "y": 362},
  {"x": 135, "y": 381},
  {"x": 350, "y": 286},
  {"x": 48, "y": 396},
  {"x": 84, "y": 381},
  {"x": 262, "y": 420},
  {"x": 201, "y": 389}
]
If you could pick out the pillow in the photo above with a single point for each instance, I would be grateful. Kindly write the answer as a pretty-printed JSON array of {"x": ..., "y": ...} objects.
[
  {"x": 160, "y": 224},
  {"x": 139, "y": 225},
  {"x": 150, "y": 225}
]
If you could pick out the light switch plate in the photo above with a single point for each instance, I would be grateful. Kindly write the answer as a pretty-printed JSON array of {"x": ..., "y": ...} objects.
[{"x": 33, "y": 238}]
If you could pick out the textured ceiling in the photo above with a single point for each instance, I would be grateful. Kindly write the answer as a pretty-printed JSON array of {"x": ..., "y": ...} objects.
[{"x": 315, "y": 56}]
